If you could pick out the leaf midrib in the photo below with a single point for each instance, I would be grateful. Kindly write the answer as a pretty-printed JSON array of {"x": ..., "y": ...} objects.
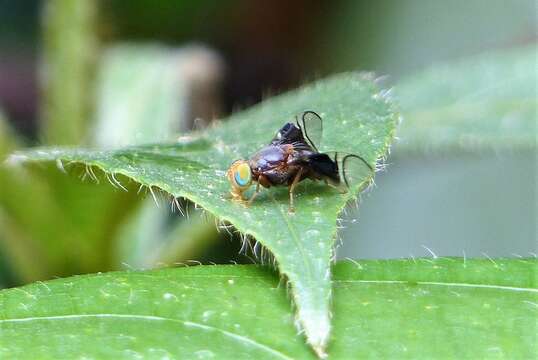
[{"x": 296, "y": 240}]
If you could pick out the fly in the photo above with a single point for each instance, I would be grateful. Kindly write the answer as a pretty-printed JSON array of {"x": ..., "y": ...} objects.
[{"x": 293, "y": 156}]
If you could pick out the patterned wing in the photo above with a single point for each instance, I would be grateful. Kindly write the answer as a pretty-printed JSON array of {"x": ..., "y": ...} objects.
[
  {"x": 340, "y": 170},
  {"x": 305, "y": 134}
]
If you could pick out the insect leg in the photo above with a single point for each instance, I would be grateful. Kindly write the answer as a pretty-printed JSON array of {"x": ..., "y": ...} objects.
[
  {"x": 292, "y": 187},
  {"x": 236, "y": 194},
  {"x": 255, "y": 194}
]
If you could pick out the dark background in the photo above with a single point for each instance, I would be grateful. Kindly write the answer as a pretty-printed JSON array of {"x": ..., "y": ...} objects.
[{"x": 271, "y": 46}]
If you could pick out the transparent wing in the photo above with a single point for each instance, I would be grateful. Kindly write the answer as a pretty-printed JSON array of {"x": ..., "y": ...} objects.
[
  {"x": 354, "y": 171},
  {"x": 311, "y": 126}
]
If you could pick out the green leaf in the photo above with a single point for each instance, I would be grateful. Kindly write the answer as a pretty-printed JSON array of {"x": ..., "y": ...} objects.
[
  {"x": 57, "y": 225},
  {"x": 484, "y": 108},
  {"x": 147, "y": 239},
  {"x": 484, "y": 103},
  {"x": 421, "y": 309},
  {"x": 53, "y": 225},
  {"x": 70, "y": 227},
  {"x": 357, "y": 119},
  {"x": 146, "y": 94}
]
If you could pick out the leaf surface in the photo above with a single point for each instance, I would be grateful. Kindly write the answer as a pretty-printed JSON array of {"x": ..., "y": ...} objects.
[
  {"x": 417, "y": 309},
  {"x": 358, "y": 119},
  {"x": 484, "y": 103}
]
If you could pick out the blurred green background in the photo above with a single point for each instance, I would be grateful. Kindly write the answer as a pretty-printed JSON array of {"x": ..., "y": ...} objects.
[{"x": 111, "y": 73}]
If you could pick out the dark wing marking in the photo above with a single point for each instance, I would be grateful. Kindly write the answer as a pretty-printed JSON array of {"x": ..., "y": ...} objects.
[
  {"x": 288, "y": 134},
  {"x": 311, "y": 126},
  {"x": 305, "y": 134},
  {"x": 292, "y": 135},
  {"x": 340, "y": 170},
  {"x": 324, "y": 167}
]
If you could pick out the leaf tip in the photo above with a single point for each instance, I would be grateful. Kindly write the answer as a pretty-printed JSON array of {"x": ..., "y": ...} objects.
[
  {"x": 320, "y": 352},
  {"x": 317, "y": 328}
]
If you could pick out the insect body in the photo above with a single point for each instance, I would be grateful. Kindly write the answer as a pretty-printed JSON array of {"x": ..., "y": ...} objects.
[{"x": 291, "y": 157}]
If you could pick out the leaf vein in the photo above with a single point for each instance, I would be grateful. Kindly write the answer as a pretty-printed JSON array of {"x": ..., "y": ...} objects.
[
  {"x": 295, "y": 237},
  {"x": 499, "y": 287},
  {"x": 229, "y": 334}
]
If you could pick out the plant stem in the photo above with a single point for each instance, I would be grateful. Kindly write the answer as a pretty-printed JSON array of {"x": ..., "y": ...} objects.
[{"x": 69, "y": 50}]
